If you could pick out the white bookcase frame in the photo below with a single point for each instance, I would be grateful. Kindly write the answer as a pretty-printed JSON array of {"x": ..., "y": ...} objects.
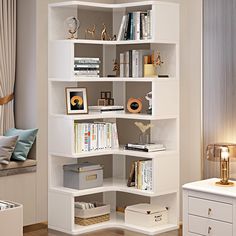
[{"x": 165, "y": 115}]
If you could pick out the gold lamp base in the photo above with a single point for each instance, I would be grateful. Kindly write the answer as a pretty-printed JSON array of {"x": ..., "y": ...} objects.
[{"x": 221, "y": 184}]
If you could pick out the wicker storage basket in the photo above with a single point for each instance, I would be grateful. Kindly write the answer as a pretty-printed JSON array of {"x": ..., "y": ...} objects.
[{"x": 91, "y": 216}]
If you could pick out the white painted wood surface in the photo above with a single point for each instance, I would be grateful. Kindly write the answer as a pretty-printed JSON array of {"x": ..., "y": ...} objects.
[{"x": 165, "y": 117}]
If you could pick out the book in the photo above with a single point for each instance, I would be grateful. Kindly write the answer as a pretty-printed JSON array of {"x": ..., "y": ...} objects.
[
  {"x": 105, "y": 108},
  {"x": 122, "y": 65},
  {"x": 140, "y": 175},
  {"x": 131, "y": 178},
  {"x": 127, "y": 64},
  {"x": 145, "y": 147},
  {"x": 136, "y": 25},
  {"x": 122, "y": 28}
]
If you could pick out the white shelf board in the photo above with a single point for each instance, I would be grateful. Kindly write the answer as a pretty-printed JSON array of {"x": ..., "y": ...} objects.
[
  {"x": 117, "y": 220},
  {"x": 112, "y": 79},
  {"x": 109, "y": 185},
  {"x": 110, "y": 115},
  {"x": 114, "y": 42},
  {"x": 101, "y": 5},
  {"x": 120, "y": 151}
]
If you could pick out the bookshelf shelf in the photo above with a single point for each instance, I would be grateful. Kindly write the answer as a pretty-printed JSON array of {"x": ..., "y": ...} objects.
[
  {"x": 160, "y": 33},
  {"x": 117, "y": 220},
  {"x": 120, "y": 151},
  {"x": 114, "y": 43},
  {"x": 112, "y": 79},
  {"x": 109, "y": 185},
  {"x": 98, "y": 115}
]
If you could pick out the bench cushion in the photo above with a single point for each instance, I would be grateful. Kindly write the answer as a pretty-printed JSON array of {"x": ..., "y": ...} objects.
[{"x": 18, "y": 167}]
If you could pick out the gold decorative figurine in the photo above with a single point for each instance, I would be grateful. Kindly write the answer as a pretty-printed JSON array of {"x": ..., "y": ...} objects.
[
  {"x": 104, "y": 34},
  {"x": 116, "y": 67},
  {"x": 90, "y": 31}
]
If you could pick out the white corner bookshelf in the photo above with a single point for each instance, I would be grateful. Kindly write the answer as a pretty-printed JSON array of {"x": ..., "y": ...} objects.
[{"x": 116, "y": 161}]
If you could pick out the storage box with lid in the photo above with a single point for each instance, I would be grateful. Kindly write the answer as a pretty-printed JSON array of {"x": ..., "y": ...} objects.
[
  {"x": 83, "y": 176},
  {"x": 146, "y": 215}
]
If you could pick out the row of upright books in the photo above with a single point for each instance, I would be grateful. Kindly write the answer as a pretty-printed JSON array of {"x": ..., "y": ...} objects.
[
  {"x": 95, "y": 136},
  {"x": 135, "y": 26},
  {"x": 132, "y": 63},
  {"x": 86, "y": 67},
  {"x": 140, "y": 175}
]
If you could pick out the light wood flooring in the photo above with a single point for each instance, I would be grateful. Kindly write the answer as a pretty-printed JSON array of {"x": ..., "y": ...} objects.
[{"x": 43, "y": 231}]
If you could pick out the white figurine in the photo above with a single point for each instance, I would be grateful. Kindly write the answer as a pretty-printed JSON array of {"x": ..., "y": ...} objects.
[{"x": 149, "y": 98}]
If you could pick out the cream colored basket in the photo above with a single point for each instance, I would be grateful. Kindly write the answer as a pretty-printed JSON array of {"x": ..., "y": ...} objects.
[{"x": 91, "y": 216}]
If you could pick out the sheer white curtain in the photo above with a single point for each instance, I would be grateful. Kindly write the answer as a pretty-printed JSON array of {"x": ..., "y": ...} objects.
[{"x": 7, "y": 63}]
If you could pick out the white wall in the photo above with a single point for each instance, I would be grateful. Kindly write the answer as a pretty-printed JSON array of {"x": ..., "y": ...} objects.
[{"x": 190, "y": 74}]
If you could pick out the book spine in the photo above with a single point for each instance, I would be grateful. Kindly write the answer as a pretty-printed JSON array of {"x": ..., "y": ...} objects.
[
  {"x": 145, "y": 36},
  {"x": 131, "y": 37},
  {"x": 75, "y": 137},
  {"x": 122, "y": 61},
  {"x": 80, "y": 140},
  {"x": 149, "y": 24},
  {"x": 115, "y": 136},
  {"x": 149, "y": 175},
  {"x": 127, "y": 64},
  {"x": 130, "y": 63},
  {"x": 83, "y": 137},
  {"x": 127, "y": 32},
  {"x": 122, "y": 28},
  {"x": 136, "y": 173},
  {"x": 140, "y": 163},
  {"x": 95, "y": 137},
  {"x": 137, "y": 25}
]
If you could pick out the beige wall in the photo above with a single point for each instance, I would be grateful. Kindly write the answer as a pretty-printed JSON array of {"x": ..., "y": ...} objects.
[{"x": 190, "y": 74}]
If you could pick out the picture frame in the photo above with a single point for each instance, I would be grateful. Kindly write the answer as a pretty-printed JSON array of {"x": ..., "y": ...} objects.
[{"x": 76, "y": 101}]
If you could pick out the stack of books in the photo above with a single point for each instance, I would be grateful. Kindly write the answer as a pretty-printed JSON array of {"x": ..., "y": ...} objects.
[
  {"x": 106, "y": 109},
  {"x": 145, "y": 147},
  {"x": 132, "y": 63},
  {"x": 136, "y": 26},
  {"x": 86, "y": 67},
  {"x": 95, "y": 136},
  {"x": 140, "y": 175},
  {"x": 6, "y": 205}
]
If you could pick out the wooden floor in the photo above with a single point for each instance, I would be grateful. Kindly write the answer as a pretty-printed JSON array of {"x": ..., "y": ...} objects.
[{"x": 43, "y": 231}]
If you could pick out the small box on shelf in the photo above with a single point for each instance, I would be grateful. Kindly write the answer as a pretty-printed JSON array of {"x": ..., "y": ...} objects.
[
  {"x": 91, "y": 213},
  {"x": 146, "y": 215},
  {"x": 83, "y": 176}
]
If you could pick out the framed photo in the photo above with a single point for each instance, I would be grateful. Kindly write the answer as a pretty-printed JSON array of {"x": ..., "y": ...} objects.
[{"x": 76, "y": 101}]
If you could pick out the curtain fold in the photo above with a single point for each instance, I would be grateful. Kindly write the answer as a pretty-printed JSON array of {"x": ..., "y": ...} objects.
[{"x": 7, "y": 61}]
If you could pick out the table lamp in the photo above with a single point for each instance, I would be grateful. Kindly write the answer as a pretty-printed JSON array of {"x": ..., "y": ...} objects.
[{"x": 224, "y": 151}]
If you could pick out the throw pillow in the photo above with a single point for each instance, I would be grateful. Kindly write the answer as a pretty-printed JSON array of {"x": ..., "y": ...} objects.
[
  {"x": 24, "y": 143},
  {"x": 7, "y": 146}
]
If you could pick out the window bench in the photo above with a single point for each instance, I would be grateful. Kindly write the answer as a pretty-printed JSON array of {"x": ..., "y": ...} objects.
[{"x": 18, "y": 184}]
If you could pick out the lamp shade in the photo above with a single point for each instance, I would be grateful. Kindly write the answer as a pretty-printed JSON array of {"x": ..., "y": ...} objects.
[{"x": 215, "y": 151}]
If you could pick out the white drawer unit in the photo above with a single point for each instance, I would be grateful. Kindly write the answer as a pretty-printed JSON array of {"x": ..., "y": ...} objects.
[
  {"x": 209, "y": 210},
  {"x": 202, "y": 226}
]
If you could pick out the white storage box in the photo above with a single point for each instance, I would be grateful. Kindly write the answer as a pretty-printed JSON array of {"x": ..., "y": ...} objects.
[
  {"x": 146, "y": 215},
  {"x": 11, "y": 220}
]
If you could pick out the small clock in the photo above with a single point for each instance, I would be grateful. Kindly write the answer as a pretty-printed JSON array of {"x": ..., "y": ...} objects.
[{"x": 134, "y": 105}]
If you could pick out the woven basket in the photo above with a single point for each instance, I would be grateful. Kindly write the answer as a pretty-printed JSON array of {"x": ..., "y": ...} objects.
[{"x": 92, "y": 220}]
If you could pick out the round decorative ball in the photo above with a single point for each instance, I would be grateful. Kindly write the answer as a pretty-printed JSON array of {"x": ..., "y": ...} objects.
[{"x": 134, "y": 105}]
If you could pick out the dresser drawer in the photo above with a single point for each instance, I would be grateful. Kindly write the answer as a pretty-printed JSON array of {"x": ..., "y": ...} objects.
[
  {"x": 210, "y": 209},
  {"x": 208, "y": 227}
]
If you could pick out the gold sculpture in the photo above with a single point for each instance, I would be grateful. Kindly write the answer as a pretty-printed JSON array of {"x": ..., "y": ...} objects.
[
  {"x": 142, "y": 127},
  {"x": 104, "y": 34},
  {"x": 91, "y": 32}
]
